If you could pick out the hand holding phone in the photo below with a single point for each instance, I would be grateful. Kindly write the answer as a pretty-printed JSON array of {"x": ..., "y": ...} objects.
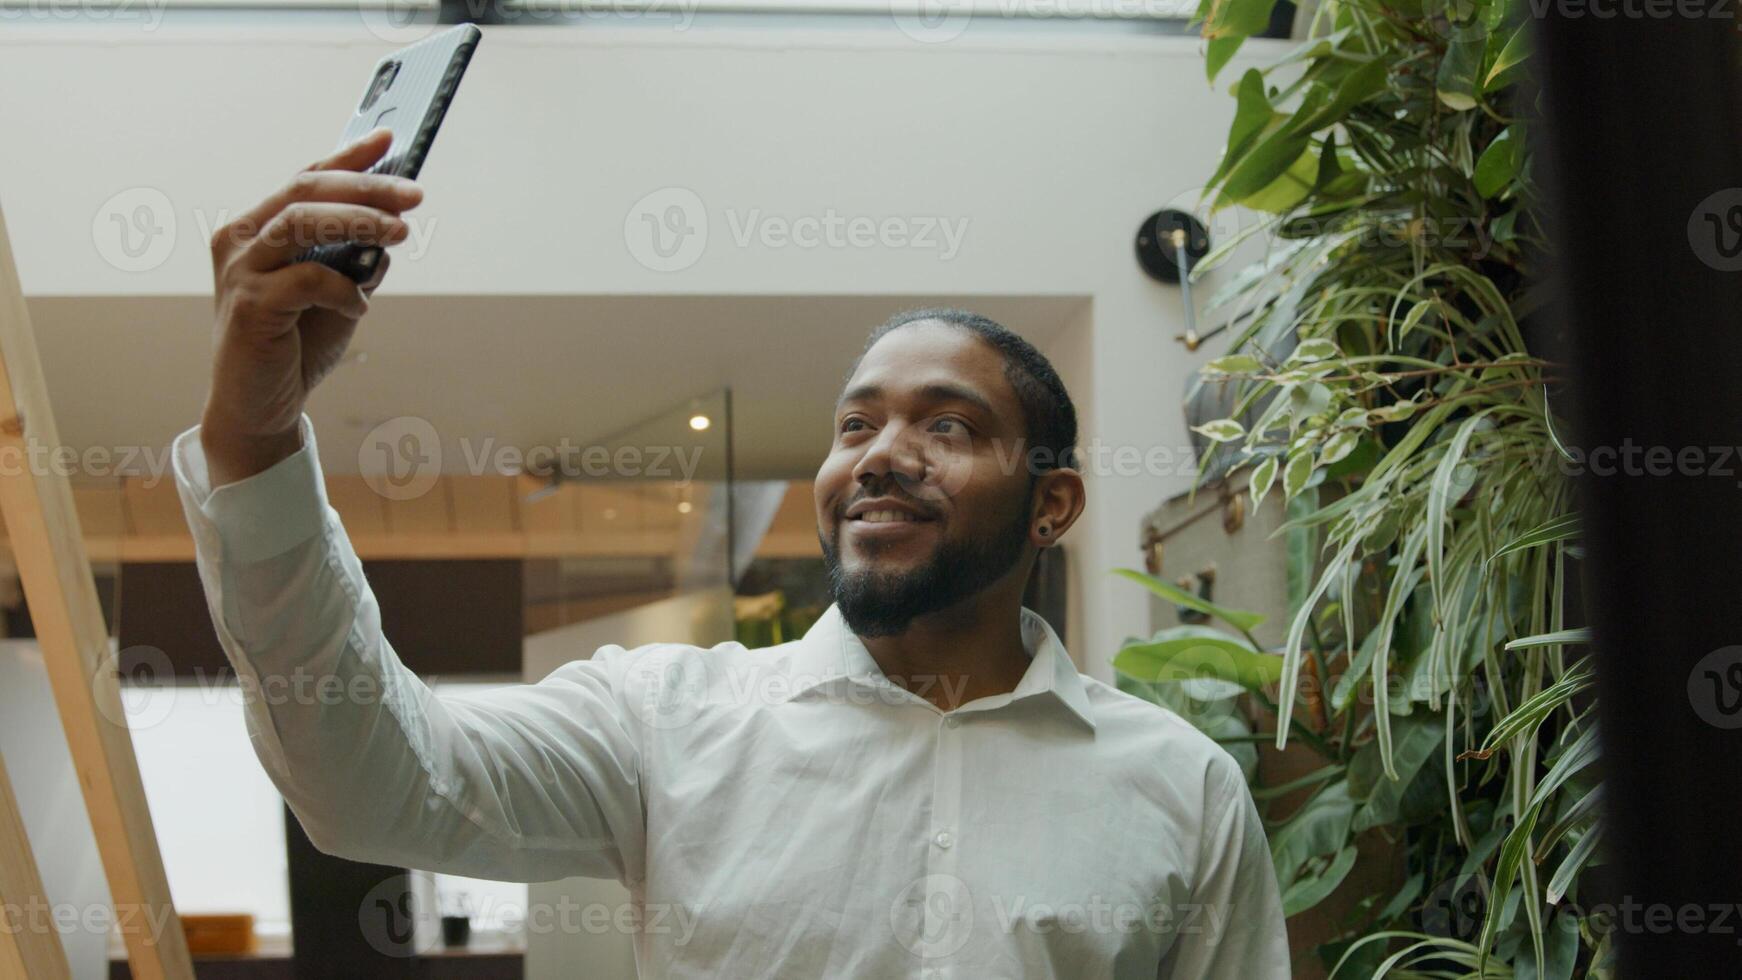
[
  {"x": 408, "y": 94},
  {"x": 294, "y": 273},
  {"x": 283, "y": 325}
]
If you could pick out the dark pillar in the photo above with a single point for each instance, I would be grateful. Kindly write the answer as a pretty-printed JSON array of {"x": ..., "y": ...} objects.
[{"x": 1645, "y": 185}]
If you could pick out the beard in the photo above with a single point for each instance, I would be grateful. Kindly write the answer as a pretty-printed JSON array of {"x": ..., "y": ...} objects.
[{"x": 875, "y": 603}]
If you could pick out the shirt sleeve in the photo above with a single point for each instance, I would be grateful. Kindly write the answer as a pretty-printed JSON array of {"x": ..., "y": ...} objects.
[
  {"x": 531, "y": 783},
  {"x": 1234, "y": 929}
]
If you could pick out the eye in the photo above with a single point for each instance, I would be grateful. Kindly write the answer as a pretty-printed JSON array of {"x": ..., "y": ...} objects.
[
  {"x": 949, "y": 426},
  {"x": 847, "y": 424}
]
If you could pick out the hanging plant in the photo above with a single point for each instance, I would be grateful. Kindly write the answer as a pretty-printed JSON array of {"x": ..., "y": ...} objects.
[{"x": 1388, "y": 386}]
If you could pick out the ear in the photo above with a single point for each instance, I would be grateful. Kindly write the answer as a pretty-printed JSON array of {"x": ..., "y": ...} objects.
[{"x": 1058, "y": 502}]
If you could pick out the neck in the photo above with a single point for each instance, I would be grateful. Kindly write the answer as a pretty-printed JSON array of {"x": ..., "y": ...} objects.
[{"x": 970, "y": 650}]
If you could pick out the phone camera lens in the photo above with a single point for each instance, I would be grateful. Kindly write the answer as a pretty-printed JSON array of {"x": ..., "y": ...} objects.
[{"x": 379, "y": 84}]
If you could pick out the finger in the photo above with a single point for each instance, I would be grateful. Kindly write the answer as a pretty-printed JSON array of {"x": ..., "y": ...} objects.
[
  {"x": 380, "y": 273},
  {"x": 303, "y": 226},
  {"x": 381, "y": 191},
  {"x": 359, "y": 154},
  {"x": 353, "y": 157},
  {"x": 298, "y": 287}
]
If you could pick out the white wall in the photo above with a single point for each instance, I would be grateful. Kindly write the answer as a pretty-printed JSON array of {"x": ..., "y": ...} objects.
[
  {"x": 40, "y": 767},
  {"x": 1052, "y": 148}
]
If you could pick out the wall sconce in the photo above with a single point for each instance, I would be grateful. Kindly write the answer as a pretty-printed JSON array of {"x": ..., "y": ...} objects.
[{"x": 1169, "y": 245}]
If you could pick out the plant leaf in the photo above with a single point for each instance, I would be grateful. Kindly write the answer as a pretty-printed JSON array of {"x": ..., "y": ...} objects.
[
  {"x": 1287, "y": 189},
  {"x": 1221, "y": 430},
  {"x": 1439, "y": 499},
  {"x": 1414, "y": 742},
  {"x": 1240, "y": 619},
  {"x": 1511, "y": 56},
  {"x": 1498, "y": 164},
  {"x": 1339, "y": 445},
  {"x": 1184, "y": 653},
  {"x": 1527, "y": 716},
  {"x": 1557, "y": 638},
  {"x": 1513, "y": 854},
  {"x": 1221, "y": 51},
  {"x": 1573, "y": 864},
  {"x": 1356, "y": 87},
  {"x": 1305, "y": 893},
  {"x": 1320, "y": 826},
  {"x": 1313, "y": 349},
  {"x": 1252, "y": 113},
  {"x": 1575, "y": 757},
  {"x": 1456, "y": 81},
  {"x": 1234, "y": 364},
  {"x": 1295, "y": 474},
  {"x": 1237, "y": 18},
  {"x": 1554, "y": 529},
  {"x": 1263, "y": 475}
]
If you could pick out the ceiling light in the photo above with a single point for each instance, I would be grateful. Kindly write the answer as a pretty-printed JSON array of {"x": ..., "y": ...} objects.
[{"x": 700, "y": 422}]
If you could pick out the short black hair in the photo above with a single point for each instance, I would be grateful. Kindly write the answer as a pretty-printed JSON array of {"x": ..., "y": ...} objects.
[{"x": 1049, "y": 415}]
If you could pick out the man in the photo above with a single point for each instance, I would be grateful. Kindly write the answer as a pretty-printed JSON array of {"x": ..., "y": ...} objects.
[{"x": 923, "y": 785}]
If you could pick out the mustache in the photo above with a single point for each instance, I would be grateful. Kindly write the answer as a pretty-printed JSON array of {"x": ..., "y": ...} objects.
[{"x": 892, "y": 492}]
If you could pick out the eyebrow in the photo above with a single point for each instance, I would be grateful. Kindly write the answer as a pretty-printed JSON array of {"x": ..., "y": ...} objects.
[{"x": 937, "y": 392}]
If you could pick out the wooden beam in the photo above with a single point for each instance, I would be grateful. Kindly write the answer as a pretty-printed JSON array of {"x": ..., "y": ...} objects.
[
  {"x": 361, "y": 509},
  {"x": 423, "y": 515},
  {"x": 43, "y": 530},
  {"x": 30, "y": 945},
  {"x": 485, "y": 504}
]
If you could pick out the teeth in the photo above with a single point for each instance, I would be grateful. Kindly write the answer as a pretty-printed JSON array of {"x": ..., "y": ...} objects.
[{"x": 881, "y": 516}]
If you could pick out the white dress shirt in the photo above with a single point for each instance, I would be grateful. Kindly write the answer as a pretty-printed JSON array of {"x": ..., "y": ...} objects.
[{"x": 780, "y": 812}]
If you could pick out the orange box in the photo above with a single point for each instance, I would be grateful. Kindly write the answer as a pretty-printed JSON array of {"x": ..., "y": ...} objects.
[{"x": 219, "y": 934}]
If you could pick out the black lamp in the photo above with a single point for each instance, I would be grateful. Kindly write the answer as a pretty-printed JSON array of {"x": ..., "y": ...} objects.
[{"x": 1169, "y": 244}]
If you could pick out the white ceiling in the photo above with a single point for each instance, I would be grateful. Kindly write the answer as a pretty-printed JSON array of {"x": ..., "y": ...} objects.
[{"x": 523, "y": 370}]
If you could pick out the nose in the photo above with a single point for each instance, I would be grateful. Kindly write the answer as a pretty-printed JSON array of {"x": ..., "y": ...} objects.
[{"x": 896, "y": 454}]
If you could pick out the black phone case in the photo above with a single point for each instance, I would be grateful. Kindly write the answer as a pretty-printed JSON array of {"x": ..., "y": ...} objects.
[{"x": 412, "y": 107}]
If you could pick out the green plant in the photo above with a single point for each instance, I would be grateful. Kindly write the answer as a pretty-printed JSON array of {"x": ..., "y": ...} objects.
[{"x": 1385, "y": 386}]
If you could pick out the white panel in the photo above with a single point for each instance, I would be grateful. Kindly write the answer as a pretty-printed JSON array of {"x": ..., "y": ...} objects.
[
  {"x": 219, "y": 819},
  {"x": 53, "y": 809}
]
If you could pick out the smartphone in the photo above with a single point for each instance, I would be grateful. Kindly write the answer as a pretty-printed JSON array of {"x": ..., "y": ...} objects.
[{"x": 409, "y": 92}]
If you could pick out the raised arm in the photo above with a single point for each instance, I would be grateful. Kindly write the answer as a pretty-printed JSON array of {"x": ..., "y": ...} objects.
[{"x": 534, "y": 783}]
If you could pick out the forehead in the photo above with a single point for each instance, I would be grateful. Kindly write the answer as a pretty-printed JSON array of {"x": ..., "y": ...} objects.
[{"x": 926, "y": 355}]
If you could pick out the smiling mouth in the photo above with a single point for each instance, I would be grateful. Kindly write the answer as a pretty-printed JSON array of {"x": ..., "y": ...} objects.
[{"x": 887, "y": 517}]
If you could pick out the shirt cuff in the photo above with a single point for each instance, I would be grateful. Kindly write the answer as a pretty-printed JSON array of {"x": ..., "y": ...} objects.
[{"x": 258, "y": 517}]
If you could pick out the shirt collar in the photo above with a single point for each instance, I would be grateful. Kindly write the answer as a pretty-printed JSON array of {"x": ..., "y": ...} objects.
[{"x": 830, "y": 652}]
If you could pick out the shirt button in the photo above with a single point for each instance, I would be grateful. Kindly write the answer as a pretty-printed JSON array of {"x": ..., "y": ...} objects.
[
  {"x": 953, "y": 722},
  {"x": 943, "y": 839}
]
